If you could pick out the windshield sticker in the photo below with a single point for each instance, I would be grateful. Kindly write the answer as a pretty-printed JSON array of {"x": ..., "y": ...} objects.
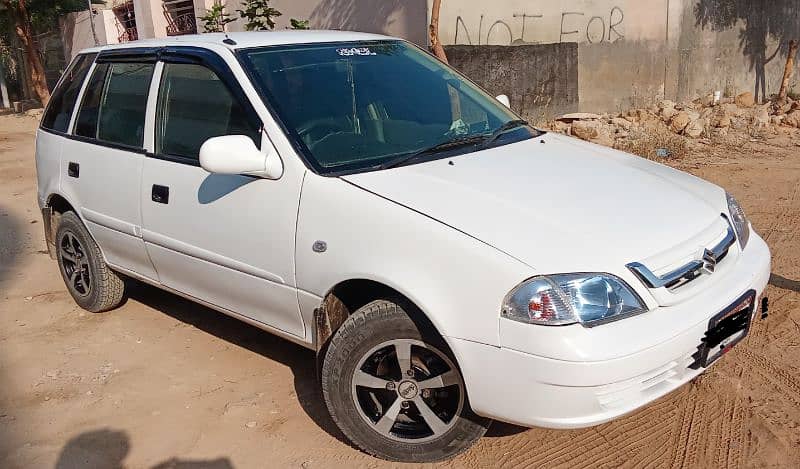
[{"x": 355, "y": 51}]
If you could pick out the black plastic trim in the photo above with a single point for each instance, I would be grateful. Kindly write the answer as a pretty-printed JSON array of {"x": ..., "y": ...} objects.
[
  {"x": 94, "y": 141},
  {"x": 129, "y": 54},
  {"x": 174, "y": 159}
]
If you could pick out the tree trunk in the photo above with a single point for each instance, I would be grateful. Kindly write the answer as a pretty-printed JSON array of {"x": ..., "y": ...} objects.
[
  {"x": 787, "y": 70},
  {"x": 22, "y": 27},
  {"x": 433, "y": 32}
]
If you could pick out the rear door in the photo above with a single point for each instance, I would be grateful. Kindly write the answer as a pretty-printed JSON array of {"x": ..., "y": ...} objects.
[
  {"x": 225, "y": 239},
  {"x": 102, "y": 160}
]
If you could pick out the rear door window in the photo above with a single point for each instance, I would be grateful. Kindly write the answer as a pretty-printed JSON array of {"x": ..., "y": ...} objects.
[
  {"x": 114, "y": 104},
  {"x": 62, "y": 102}
]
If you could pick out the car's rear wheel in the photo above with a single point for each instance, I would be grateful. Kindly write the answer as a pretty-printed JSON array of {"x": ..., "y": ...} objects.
[
  {"x": 92, "y": 284},
  {"x": 394, "y": 390}
]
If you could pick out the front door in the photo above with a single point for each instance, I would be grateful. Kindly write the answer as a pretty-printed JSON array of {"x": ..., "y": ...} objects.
[{"x": 225, "y": 239}]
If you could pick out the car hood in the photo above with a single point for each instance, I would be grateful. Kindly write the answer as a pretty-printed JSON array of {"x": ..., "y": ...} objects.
[{"x": 556, "y": 203}]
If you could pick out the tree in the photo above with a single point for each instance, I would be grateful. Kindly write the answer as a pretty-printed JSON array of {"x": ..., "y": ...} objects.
[
  {"x": 433, "y": 32},
  {"x": 33, "y": 17},
  {"x": 18, "y": 11},
  {"x": 258, "y": 14},
  {"x": 216, "y": 18},
  {"x": 760, "y": 20},
  {"x": 298, "y": 24},
  {"x": 787, "y": 70}
]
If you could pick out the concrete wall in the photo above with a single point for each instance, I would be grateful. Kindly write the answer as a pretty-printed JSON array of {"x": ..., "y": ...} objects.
[
  {"x": 632, "y": 52},
  {"x": 76, "y": 31},
  {"x": 629, "y": 52},
  {"x": 402, "y": 18},
  {"x": 540, "y": 79}
]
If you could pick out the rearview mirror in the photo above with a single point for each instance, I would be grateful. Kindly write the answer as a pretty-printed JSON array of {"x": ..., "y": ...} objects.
[
  {"x": 504, "y": 100},
  {"x": 237, "y": 154}
]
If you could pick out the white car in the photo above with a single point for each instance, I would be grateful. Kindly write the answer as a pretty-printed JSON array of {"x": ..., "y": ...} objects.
[{"x": 449, "y": 263}]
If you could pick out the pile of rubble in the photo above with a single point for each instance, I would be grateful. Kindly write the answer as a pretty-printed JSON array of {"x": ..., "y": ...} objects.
[{"x": 706, "y": 117}]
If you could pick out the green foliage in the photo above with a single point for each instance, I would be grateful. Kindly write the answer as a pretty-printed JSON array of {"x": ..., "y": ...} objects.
[
  {"x": 259, "y": 15},
  {"x": 216, "y": 18},
  {"x": 299, "y": 24}
]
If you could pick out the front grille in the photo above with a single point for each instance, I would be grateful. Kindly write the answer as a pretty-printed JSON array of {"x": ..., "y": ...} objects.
[{"x": 689, "y": 271}]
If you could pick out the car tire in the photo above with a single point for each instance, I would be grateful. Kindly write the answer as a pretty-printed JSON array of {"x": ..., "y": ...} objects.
[
  {"x": 385, "y": 410},
  {"x": 92, "y": 284}
]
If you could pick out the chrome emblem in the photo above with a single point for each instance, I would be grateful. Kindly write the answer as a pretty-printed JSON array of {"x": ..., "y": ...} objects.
[
  {"x": 319, "y": 246},
  {"x": 407, "y": 390},
  {"x": 709, "y": 262}
]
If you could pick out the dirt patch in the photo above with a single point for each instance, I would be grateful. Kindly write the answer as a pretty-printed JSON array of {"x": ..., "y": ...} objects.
[{"x": 162, "y": 382}]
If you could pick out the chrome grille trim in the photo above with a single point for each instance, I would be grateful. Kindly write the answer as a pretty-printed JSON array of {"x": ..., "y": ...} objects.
[{"x": 687, "y": 272}]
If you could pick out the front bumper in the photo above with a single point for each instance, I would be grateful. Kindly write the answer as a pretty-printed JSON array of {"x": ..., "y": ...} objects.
[{"x": 509, "y": 384}]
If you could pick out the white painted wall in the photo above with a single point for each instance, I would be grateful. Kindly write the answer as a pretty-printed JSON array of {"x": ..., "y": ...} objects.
[{"x": 76, "y": 31}]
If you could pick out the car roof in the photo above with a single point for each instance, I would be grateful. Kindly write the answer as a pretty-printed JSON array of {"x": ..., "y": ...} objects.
[{"x": 243, "y": 40}]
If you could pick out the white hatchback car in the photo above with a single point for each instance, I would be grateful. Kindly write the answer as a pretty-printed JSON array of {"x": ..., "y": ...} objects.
[{"x": 449, "y": 263}]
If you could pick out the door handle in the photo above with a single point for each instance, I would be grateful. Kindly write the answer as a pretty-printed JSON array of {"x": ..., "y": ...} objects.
[
  {"x": 160, "y": 194},
  {"x": 73, "y": 169}
]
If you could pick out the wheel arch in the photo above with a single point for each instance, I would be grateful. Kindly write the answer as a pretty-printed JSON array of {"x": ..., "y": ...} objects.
[
  {"x": 347, "y": 296},
  {"x": 54, "y": 207}
]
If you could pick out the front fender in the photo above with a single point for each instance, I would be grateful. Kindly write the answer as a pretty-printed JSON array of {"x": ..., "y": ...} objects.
[{"x": 458, "y": 281}]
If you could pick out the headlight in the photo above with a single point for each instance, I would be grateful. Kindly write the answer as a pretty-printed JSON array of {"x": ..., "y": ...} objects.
[
  {"x": 571, "y": 298},
  {"x": 739, "y": 220}
]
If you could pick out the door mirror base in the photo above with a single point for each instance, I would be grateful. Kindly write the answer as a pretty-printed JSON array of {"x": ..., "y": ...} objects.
[{"x": 237, "y": 154}]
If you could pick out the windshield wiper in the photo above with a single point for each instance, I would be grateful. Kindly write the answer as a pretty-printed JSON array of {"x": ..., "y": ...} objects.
[
  {"x": 483, "y": 139},
  {"x": 446, "y": 145},
  {"x": 512, "y": 124}
]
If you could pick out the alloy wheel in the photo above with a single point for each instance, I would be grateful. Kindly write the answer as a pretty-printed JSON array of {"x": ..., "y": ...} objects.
[
  {"x": 75, "y": 263},
  {"x": 408, "y": 391}
]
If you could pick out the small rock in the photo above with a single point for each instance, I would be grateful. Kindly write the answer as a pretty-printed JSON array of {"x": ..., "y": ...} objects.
[
  {"x": 695, "y": 128},
  {"x": 28, "y": 298},
  {"x": 745, "y": 99},
  {"x": 707, "y": 100},
  {"x": 251, "y": 424},
  {"x": 665, "y": 104},
  {"x": 792, "y": 119},
  {"x": 574, "y": 116},
  {"x": 776, "y": 120},
  {"x": 585, "y": 130},
  {"x": 679, "y": 122},
  {"x": 622, "y": 123},
  {"x": 761, "y": 116},
  {"x": 561, "y": 127},
  {"x": 721, "y": 119}
]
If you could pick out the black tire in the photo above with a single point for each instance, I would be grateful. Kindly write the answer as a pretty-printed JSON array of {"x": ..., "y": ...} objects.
[
  {"x": 92, "y": 284},
  {"x": 362, "y": 337}
]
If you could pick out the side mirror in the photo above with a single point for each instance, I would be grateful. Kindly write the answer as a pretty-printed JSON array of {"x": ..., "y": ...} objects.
[
  {"x": 237, "y": 154},
  {"x": 504, "y": 100}
]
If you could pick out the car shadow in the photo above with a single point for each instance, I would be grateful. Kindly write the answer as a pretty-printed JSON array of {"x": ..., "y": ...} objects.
[
  {"x": 107, "y": 449},
  {"x": 300, "y": 360},
  {"x": 785, "y": 283}
]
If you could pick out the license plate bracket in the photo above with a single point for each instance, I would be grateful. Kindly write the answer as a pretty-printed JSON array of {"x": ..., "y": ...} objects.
[{"x": 725, "y": 329}]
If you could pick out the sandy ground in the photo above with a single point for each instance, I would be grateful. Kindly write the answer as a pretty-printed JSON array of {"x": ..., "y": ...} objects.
[{"x": 162, "y": 382}]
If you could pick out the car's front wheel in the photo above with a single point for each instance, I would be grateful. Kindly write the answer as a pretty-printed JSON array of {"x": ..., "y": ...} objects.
[{"x": 394, "y": 390}]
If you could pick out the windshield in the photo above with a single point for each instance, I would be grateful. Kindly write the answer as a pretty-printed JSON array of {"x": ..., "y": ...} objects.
[{"x": 357, "y": 105}]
